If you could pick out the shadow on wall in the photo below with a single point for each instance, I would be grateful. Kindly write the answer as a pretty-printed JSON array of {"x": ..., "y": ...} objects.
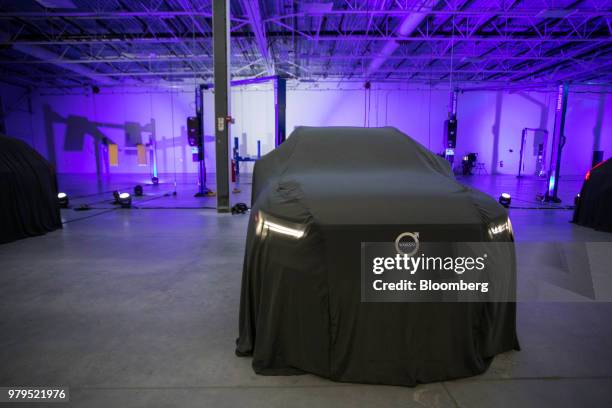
[
  {"x": 543, "y": 110},
  {"x": 599, "y": 122},
  {"x": 78, "y": 128}
]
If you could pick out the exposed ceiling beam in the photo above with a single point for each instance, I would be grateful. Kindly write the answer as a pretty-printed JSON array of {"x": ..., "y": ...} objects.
[
  {"x": 104, "y": 15},
  {"x": 318, "y": 57},
  {"x": 315, "y": 72},
  {"x": 406, "y": 27},
  {"x": 55, "y": 59},
  {"x": 332, "y": 36},
  {"x": 171, "y": 39},
  {"x": 310, "y": 12},
  {"x": 547, "y": 66},
  {"x": 253, "y": 12}
]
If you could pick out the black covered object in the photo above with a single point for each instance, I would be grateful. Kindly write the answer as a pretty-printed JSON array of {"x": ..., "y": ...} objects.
[
  {"x": 594, "y": 208},
  {"x": 300, "y": 308},
  {"x": 28, "y": 192}
]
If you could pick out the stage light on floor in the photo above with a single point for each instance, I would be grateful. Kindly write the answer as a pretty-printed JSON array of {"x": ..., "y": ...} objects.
[
  {"x": 505, "y": 199},
  {"x": 62, "y": 198},
  {"x": 125, "y": 200},
  {"x": 138, "y": 191},
  {"x": 155, "y": 180}
]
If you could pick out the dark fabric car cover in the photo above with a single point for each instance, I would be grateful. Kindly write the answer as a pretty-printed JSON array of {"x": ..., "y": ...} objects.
[
  {"x": 594, "y": 208},
  {"x": 28, "y": 192},
  {"x": 300, "y": 308}
]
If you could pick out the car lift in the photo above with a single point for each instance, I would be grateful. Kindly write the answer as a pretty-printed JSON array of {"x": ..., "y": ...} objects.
[
  {"x": 541, "y": 152},
  {"x": 237, "y": 159},
  {"x": 280, "y": 104}
]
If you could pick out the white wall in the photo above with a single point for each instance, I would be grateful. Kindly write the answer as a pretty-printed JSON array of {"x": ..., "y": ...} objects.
[
  {"x": 490, "y": 123},
  {"x": 477, "y": 114},
  {"x": 252, "y": 108},
  {"x": 420, "y": 114},
  {"x": 587, "y": 116}
]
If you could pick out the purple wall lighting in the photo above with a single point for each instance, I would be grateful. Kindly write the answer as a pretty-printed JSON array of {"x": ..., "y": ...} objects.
[{"x": 490, "y": 123}]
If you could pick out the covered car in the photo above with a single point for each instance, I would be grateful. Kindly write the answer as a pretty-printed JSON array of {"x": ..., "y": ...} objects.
[
  {"x": 28, "y": 186},
  {"x": 323, "y": 193},
  {"x": 594, "y": 207}
]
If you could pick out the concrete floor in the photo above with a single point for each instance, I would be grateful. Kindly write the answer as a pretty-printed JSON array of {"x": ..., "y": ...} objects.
[{"x": 134, "y": 308}]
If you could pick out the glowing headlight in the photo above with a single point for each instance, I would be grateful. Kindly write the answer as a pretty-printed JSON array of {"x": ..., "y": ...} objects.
[
  {"x": 266, "y": 223},
  {"x": 497, "y": 229},
  {"x": 281, "y": 229}
]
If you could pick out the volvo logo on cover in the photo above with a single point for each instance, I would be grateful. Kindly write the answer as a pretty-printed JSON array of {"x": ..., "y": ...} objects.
[{"x": 407, "y": 243}]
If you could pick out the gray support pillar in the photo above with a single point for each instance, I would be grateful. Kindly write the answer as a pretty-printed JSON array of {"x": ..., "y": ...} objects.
[
  {"x": 557, "y": 145},
  {"x": 221, "y": 51},
  {"x": 280, "y": 108}
]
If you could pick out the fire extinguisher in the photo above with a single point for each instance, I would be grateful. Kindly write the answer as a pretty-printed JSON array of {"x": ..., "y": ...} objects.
[{"x": 233, "y": 171}]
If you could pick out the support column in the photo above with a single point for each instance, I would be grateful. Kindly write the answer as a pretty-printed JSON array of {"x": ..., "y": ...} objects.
[
  {"x": 280, "y": 110},
  {"x": 557, "y": 145},
  {"x": 221, "y": 51},
  {"x": 203, "y": 190}
]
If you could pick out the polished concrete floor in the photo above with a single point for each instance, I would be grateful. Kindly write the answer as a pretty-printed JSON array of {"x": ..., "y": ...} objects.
[{"x": 135, "y": 308}]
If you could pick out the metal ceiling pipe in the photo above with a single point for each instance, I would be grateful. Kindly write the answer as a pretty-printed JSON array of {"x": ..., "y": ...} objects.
[
  {"x": 253, "y": 12},
  {"x": 46, "y": 55},
  {"x": 406, "y": 27}
]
